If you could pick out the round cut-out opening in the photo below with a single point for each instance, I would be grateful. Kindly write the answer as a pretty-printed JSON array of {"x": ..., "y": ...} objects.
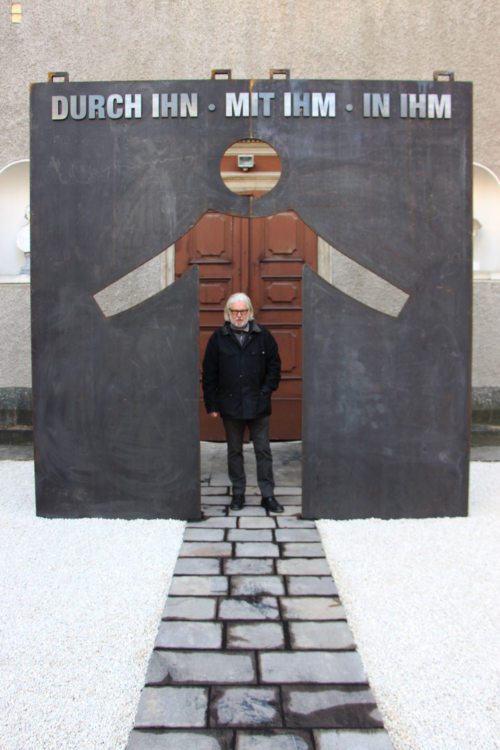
[{"x": 250, "y": 167}]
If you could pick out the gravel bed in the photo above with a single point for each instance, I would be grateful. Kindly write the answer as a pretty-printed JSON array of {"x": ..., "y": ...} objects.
[
  {"x": 80, "y": 604},
  {"x": 422, "y": 598}
]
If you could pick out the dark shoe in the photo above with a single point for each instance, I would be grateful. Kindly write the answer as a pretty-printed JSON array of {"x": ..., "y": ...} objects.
[
  {"x": 272, "y": 505},
  {"x": 237, "y": 502}
]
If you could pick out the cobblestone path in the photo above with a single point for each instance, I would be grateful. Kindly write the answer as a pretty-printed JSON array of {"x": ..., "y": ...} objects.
[{"x": 254, "y": 651}]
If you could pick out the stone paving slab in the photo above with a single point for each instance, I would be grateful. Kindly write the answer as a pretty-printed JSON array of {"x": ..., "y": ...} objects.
[
  {"x": 303, "y": 549},
  {"x": 245, "y": 706},
  {"x": 324, "y": 635},
  {"x": 203, "y": 535},
  {"x": 193, "y": 634},
  {"x": 172, "y": 707},
  {"x": 209, "y": 511},
  {"x": 295, "y": 500},
  {"x": 256, "y": 635},
  {"x": 210, "y": 566},
  {"x": 297, "y": 535},
  {"x": 348, "y": 706},
  {"x": 250, "y": 535},
  {"x": 312, "y": 608},
  {"x": 217, "y": 489},
  {"x": 304, "y": 585},
  {"x": 198, "y": 586},
  {"x": 250, "y": 566},
  {"x": 179, "y": 740},
  {"x": 190, "y": 608},
  {"x": 256, "y": 585},
  {"x": 257, "y": 522},
  {"x": 311, "y": 667},
  {"x": 250, "y": 608},
  {"x": 289, "y": 510},
  {"x": 208, "y": 549},
  {"x": 215, "y": 523},
  {"x": 284, "y": 740},
  {"x": 252, "y": 499},
  {"x": 200, "y": 667},
  {"x": 294, "y": 523},
  {"x": 286, "y": 490},
  {"x": 349, "y": 740},
  {"x": 301, "y": 566},
  {"x": 219, "y": 479},
  {"x": 257, "y": 549},
  {"x": 216, "y": 500}
]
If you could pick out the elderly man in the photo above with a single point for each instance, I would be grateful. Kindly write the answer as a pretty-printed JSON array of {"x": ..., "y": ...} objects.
[{"x": 241, "y": 369}]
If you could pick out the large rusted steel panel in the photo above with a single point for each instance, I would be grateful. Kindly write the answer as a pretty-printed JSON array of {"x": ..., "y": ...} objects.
[
  {"x": 390, "y": 191},
  {"x": 386, "y": 399},
  {"x": 116, "y": 423}
]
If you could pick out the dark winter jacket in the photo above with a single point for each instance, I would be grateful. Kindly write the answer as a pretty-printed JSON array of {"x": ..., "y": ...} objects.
[{"x": 238, "y": 380}]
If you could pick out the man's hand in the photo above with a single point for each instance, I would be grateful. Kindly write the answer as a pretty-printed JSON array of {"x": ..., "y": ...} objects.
[{"x": 214, "y": 414}]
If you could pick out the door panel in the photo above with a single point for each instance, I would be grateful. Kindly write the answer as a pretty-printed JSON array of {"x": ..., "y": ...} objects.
[
  {"x": 279, "y": 247},
  {"x": 263, "y": 257}
]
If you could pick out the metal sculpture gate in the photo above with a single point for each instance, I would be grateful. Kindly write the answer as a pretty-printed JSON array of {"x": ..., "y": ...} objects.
[{"x": 380, "y": 170}]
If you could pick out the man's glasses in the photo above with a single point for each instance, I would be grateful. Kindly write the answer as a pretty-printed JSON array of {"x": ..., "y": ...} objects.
[{"x": 238, "y": 312}]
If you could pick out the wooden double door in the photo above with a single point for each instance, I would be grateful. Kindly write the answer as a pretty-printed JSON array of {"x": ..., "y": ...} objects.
[{"x": 264, "y": 258}]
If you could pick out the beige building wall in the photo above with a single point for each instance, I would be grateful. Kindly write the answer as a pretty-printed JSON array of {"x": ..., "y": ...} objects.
[
  {"x": 15, "y": 334},
  {"x": 170, "y": 39},
  {"x": 378, "y": 39}
]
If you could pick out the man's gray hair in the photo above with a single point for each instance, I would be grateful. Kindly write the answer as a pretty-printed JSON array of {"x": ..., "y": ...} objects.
[{"x": 238, "y": 297}]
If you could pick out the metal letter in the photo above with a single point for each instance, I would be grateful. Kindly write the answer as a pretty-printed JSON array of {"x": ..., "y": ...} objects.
[
  {"x": 189, "y": 105},
  {"x": 381, "y": 105},
  {"x": 417, "y": 106},
  {"x": 287, "y": 104},
  {"x": 301, "y": 102},
  {"x": 439, "y": 107},
  {"x": 59, "y": 108},
  {"x": 133, "y": 103},
  {"x": 367, "y": 105},
  {"x": 112, "y": 110},
  {"x": 377, "y": 105},
  {"x": 155, "y": 105},
  {"x": 323, "y": 105},
  {"x": 254, "y": 109},
  {"x": 169, "y": 105},
  {"x": 266, "y": 98},
  {"x": 96, "y": 107},
  {"x": 78, "y": 113},
  {"x": 404, "y": 105},
  {"x": 237, "y": 105}
]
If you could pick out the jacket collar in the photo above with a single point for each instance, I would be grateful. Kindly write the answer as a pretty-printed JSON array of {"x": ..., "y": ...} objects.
[{"x": 254, "y": 328}]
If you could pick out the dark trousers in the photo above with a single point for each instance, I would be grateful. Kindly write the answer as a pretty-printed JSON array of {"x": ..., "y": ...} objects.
[{"x": 259, "y": 435}]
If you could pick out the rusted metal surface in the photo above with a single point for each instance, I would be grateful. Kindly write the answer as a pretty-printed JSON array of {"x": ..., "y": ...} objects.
[{"x": 391, "y": 192}]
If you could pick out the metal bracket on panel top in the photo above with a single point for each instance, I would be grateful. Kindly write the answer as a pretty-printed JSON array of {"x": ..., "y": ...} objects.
[
  {"x": 278, "y": 74},
  {"x": 224, "y": 74},
  {"x": 439, "y": 74},
  {"x": 59, "y": 77}
]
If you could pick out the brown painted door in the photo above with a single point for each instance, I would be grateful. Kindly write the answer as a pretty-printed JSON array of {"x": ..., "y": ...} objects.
[{"x": 264, "y": 258}]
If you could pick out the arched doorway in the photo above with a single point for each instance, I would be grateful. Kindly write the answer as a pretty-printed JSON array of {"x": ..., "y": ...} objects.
[{"x": 263, "y": 257}]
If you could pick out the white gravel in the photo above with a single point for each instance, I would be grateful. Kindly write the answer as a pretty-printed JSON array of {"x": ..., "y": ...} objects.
[
  {"x": 80, "y": 604},
  {"x": 423, "y": 600}
]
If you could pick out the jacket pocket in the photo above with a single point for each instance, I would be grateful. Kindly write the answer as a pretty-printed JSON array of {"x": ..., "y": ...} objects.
[{"x": 264, "y": 404}]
